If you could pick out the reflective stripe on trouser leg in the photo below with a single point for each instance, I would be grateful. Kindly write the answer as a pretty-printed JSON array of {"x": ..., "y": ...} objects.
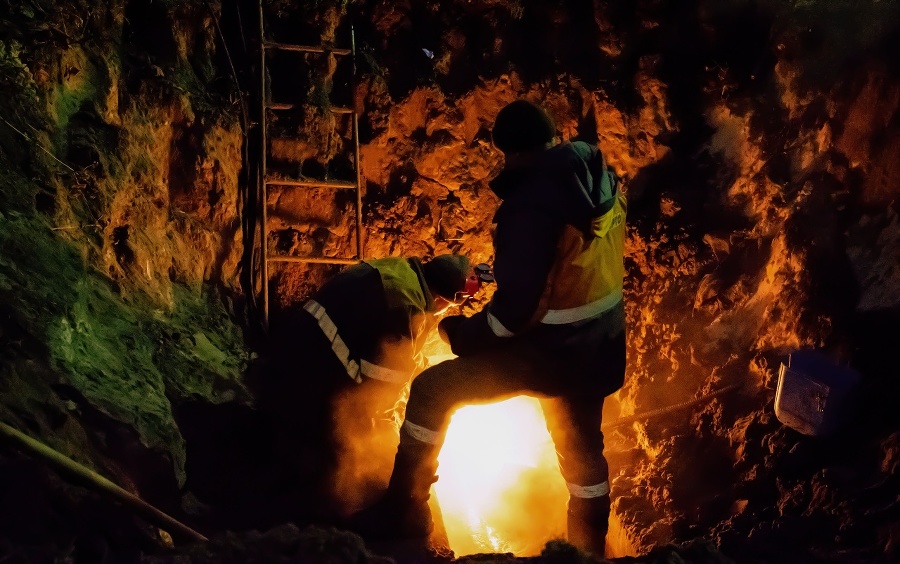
[
  {"x": 428, "y": 408},
  {"x": 415, "y": 465},
  {"x": 420, "y": 433},
  {"x": 420, "y": 444},
  {"x": 574, "y": 426},
  {"x": 421, "y": 438},
  {"x": 587, "y": 492}
]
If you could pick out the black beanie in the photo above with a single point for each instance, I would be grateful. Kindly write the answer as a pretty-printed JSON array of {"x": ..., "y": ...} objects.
[
  {"x": 446, "y": 274},
  {"x": 522, "y": 126}
]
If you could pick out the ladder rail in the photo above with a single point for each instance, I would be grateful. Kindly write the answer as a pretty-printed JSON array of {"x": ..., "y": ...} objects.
[
  {"x": 359, "y": 232},
  {"x": 264, "y": 204}
]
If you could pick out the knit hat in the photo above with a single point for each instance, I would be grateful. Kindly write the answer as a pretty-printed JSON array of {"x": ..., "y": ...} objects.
[
  {"x": 446, "y": 274},
  {"x": 522, "y": 126}
]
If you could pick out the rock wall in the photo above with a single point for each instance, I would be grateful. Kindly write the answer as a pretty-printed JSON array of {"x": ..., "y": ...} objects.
[{"x": 120, "y": 228}]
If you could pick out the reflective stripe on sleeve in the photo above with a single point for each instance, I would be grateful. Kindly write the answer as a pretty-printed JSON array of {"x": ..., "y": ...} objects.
[
  {"x": 420, "y": 433},
  {"x": 587, "y": 311},
  {"x": 498, "y": 327},
  {"x": 331, "y": 332},
  {"x": 586, "y": 492},
  {"x": 383, "y": 373}
]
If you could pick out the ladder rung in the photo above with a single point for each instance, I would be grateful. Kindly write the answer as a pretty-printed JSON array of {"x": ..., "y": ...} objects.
[
  {"x": 305, "y": 48},
  {"x": 313, "y": 260},
  {"x": 283, "y": 106},
  {"x": 336, "y": 184}
]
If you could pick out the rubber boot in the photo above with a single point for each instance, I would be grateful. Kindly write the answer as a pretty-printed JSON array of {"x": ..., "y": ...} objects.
[
  {"x": 588, "y": 523},
  {"x": 403, "y": 511}
]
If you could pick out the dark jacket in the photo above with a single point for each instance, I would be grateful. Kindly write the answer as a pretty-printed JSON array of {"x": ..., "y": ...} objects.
[
  {"x": 564, "y": 185},
  {"x": 378, "y": 301}
]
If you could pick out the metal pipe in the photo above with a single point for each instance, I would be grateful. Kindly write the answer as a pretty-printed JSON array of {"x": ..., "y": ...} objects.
[{"x": 62, "y": 462}]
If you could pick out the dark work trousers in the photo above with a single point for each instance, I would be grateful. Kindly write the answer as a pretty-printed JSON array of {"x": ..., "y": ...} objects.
[
  {"x": 571, "y": 392},
  {"x": 332, "y": 438},
  {"x": 300, "y": 376}
]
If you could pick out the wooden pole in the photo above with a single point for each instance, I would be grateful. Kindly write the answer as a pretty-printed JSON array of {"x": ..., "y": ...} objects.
[{"x": 62, "y": 462}]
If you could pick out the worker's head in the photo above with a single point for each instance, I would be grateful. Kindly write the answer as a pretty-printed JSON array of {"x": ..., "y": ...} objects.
[
  {"x": 447, "y": 277},
  {"x": 522, "y": 126}
]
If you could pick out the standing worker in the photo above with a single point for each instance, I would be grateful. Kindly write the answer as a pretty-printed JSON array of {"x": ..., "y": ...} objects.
[
  {"x": 554, "y": 328},
  {"x": 337, "y": 367}
]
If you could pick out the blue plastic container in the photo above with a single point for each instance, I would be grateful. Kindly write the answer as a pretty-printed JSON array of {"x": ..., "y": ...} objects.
[{"x": 814, "y": 393}]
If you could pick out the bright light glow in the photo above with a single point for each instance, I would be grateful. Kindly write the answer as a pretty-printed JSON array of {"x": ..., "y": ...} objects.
[{"x": 499, "y": 486}]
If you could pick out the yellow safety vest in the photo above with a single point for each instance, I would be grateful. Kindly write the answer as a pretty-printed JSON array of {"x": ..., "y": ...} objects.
[
  {"x": 586, "y": 278},
  {"x": 402, "y": 289},
  {"x": 401, "y": 284}
]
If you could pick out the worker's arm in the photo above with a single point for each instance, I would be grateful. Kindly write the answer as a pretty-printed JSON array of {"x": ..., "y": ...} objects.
[{"x": 525, "y": 249}]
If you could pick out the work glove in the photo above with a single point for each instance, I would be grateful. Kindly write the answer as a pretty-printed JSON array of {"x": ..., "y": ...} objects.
[
  {"x": 448, "y": 326},
  {"x": 471, "y": 335}
]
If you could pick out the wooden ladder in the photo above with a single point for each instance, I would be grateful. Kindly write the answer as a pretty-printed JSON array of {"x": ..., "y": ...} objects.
[{"x": 266, "y": 181}]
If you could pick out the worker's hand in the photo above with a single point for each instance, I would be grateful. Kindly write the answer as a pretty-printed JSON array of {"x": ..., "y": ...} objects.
[{"x": 447, "y": 326}]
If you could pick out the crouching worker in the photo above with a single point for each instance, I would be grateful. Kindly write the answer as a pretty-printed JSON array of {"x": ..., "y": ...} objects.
[
  {"x": 553, "y": 329},
  {"x": 337, "y": 367}
]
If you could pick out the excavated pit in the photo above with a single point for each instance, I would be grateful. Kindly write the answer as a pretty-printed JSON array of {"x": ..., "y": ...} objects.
[{"x": 758, "y": 143}]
